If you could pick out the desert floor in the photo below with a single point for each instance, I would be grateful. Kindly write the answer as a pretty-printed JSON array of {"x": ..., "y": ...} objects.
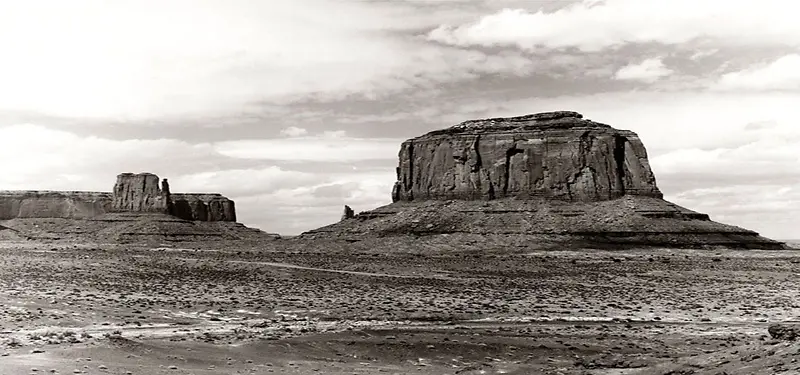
[{"x": 301, "y": 307}]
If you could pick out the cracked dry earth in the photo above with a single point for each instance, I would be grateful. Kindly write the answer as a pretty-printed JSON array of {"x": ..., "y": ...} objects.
[{"x": 295, "y": 307}]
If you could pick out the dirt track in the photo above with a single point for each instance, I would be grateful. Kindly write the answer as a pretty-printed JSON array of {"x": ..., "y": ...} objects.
[{"x": 294, "y": 307}]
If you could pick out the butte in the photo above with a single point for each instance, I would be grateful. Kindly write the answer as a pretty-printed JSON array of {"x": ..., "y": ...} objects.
[{"x": 549, "y": 180}]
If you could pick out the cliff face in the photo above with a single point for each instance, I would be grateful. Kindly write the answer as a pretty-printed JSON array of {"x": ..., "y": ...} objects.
[
  {"x": 555, "y": 155},
  {"x": 56, "y": 204},
  {"x": 202, "y": 207},
  {"x": 140, "y": 193}
]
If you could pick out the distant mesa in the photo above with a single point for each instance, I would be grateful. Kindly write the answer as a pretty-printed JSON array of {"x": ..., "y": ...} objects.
[
  {"x": 554, "y": 177},
  {"x": 142, "y": 193},
  {"x": 139, "y": 208},
  {"x": 132, "y": 193}
]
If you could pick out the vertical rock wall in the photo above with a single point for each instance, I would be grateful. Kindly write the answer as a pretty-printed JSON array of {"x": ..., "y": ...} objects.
[
  {"x": 53, "y": 204},
  {"x": 203, "y": 207},
  {"x": 140, "y": 193},
  {"x": 564, "y": 158}
]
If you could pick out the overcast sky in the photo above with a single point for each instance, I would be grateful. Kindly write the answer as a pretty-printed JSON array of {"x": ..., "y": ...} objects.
[{"x": 294, "y": 108}]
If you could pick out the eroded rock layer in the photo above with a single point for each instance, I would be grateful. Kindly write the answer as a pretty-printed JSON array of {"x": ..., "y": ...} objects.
[{"x": 551, "y": 178}]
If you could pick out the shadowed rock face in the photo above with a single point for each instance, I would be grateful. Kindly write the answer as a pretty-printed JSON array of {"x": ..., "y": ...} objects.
[
  {"x": 556, "y": 155},
  {"x": 202, "y": 207}
]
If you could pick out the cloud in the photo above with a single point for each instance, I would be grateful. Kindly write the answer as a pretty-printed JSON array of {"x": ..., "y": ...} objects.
[
  {"x": 703, "y": 54},
  {"x": 649, "y": 71},
  {"x": 36, "y": 157},
  {"x": 95, "y": 59},
  {"x": 331, "y": 147},
  {"x": 294, "y": 131},
  {"x": 783, "y": 73},
  {"x": 594, "y": 25},
  {"x": 292, "y": 211},
  {"x": 244, "y": 182}
]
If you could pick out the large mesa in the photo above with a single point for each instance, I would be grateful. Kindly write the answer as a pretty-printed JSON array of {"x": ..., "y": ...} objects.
[
  {"x": 556, "y": 155},
  {"x": 550, "y": 178}
]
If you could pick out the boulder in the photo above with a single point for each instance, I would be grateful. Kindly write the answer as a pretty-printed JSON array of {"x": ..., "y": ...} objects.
[{"x": 785, "y": 332}]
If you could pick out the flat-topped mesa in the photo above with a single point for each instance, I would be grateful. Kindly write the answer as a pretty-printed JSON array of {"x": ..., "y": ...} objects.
[
  {"x": 60, "y": 204},
  {"x": 133, "y": 193},
  {"x": 557, "y": 155},
  {"x": 544, "y": 181}
]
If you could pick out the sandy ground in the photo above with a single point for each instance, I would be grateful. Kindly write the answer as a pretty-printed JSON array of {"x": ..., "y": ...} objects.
[{"x": 305, "y": 308}]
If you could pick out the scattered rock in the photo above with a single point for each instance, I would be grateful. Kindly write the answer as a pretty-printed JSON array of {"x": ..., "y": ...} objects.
[{"x": 784, "y": 332}]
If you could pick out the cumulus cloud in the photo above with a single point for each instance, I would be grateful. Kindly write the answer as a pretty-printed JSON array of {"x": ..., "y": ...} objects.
[
  {"x": 593, "y": 25},
  {"x": 649, "y": 71},
  {"x": 783, "y": 73}
]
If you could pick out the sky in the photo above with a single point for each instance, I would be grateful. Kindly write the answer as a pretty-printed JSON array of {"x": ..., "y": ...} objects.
[{"x": 293, "y": 108}]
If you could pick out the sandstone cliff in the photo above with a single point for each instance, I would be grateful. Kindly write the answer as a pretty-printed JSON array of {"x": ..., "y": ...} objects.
[
  {"x": 202, "y": 207},
  {"x": 555, "y": 155},
  {"x": 140, "y": 193},
  {"x": 62, "y": 204},
  {"x": 548, "y": 179}
]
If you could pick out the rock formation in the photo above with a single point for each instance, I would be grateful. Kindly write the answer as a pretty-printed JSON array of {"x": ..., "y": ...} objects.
[
  {"x": 133, "y": 193},
  {"x": 140, "y": 193},
  {"x": 553, "y": 177},
  {"x": 203, "y": 207},
  {"x": 555, "y": 155},
  {"x": 348, "y": 213},
  {"x": 61, "y": 204},
  {"x": 137, "y": 211}
]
